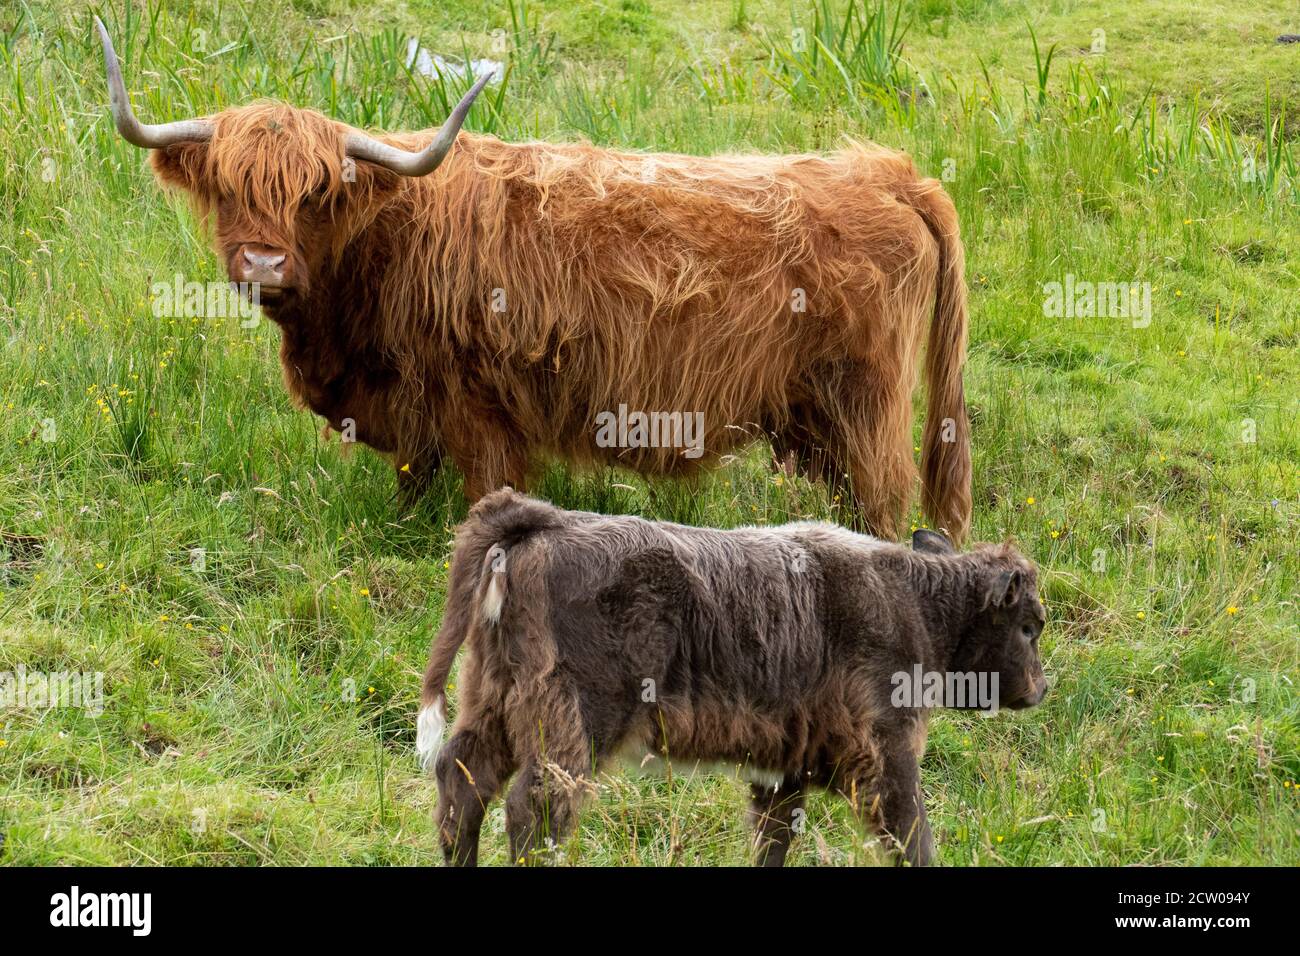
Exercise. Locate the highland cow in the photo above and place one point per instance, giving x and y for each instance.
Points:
(488, 302)
(788, 651)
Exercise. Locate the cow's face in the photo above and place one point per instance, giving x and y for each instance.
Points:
(1002, 623)
(287, 187)
(279, 192)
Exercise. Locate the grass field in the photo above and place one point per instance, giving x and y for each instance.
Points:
(260, 605)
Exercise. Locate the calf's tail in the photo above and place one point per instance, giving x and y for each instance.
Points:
(475, 596)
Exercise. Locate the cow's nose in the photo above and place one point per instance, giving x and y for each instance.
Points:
(263, 260)
(264, 267)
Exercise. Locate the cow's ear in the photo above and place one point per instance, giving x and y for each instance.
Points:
(183, 166)
(1004, 589)
(931, 542)
(370, 179)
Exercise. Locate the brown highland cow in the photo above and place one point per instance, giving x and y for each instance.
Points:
(789, 651)
(488, 302)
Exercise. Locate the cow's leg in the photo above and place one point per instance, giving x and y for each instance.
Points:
(800, 445)
(471, 769)
(872, 405)
(415, 472)
(869, 446)
(489, 455)
(776, 813)
(884, 788)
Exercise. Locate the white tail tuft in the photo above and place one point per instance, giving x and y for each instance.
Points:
(494, 598)
(428, 734)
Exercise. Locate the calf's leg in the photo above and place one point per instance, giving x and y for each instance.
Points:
(542, 807)
(471, 769)
(904, 807)
(885, 790)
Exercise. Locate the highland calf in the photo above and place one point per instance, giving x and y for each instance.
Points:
(790, 651)
(451, 295)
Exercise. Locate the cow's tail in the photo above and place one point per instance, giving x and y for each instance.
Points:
(945, 445)
(475, 596)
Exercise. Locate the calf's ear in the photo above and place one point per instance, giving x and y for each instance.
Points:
(1004, 589)
(931, 541)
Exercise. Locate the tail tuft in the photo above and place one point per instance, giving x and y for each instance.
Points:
(428, 736)
(495, 597)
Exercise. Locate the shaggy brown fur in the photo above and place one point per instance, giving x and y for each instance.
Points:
(771, 648)
(663, 282)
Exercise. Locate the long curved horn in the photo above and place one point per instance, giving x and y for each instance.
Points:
(132, 130)
(361, 146)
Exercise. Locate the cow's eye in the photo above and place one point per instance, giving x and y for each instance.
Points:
(1028, 632)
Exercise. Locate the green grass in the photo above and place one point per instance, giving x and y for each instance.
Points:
(1114, 455)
